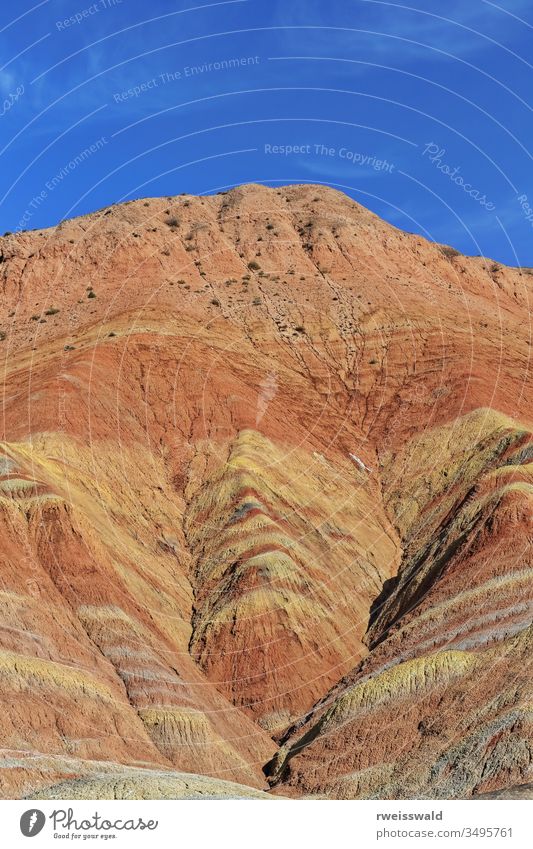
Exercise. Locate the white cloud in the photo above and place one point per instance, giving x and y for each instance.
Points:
(7, 83)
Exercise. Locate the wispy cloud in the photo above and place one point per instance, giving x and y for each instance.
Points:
(399, 31)
(7, 82)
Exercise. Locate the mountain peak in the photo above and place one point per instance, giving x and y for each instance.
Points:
(263, 455)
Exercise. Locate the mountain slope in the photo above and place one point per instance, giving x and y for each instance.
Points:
(262, 457)
(449, 665)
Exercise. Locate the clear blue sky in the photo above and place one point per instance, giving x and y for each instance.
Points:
(421, 112)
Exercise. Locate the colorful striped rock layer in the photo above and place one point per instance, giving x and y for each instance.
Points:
(266, 488)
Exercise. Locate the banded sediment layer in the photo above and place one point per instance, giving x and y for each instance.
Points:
(265, 496)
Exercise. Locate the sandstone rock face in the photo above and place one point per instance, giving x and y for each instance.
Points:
(265, 495)
(440, 707)
(113, 781)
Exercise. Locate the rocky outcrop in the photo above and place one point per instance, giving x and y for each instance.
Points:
(279, 544)
(264, 479)
(114, 781)
(440, 707)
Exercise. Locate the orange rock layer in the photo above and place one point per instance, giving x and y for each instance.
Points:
(265, 495)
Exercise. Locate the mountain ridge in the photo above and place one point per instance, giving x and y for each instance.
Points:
(237, 430)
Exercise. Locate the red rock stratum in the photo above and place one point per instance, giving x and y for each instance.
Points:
(265, 499)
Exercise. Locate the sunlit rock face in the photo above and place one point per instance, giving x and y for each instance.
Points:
(265, 502)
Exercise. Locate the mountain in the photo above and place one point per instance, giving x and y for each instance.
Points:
(265, 495)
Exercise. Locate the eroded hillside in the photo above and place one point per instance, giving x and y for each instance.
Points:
(265, 477)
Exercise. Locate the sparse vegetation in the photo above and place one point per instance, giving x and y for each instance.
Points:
(256, 301)
(253, 265)
(198, 226)
(91, 294)
(173, 223)
(448, 251)
(51, 311)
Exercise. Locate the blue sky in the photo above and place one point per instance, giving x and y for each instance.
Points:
(420, 112)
